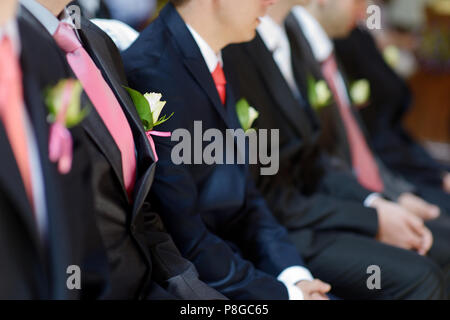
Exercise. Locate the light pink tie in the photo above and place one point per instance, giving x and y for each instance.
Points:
(102, 98)
(364, 163)
(12, 111)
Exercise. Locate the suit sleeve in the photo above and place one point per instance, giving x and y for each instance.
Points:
(263, 238)
(174, 273)
(175, 195)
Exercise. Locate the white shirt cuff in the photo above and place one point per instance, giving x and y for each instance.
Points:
(370, 199)
(292, 275)
(294, 292)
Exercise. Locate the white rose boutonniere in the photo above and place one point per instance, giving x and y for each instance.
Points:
(149, 107)
(319, 94)
(360, 93)
(246, 114)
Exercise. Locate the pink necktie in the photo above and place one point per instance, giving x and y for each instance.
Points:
(12, 111)
(220, 82)
(364, 163)
(102, 98)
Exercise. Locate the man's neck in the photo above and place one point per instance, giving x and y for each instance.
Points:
(279, 11)
(203, 23)
(54, 6)
(7, 11)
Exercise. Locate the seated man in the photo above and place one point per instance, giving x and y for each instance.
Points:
(48, 233)
(389, 101)
(310, 29)
(335, 231)
(214, 213)
(144, 262)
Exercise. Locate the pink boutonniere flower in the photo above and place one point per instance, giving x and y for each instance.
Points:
(64, 106)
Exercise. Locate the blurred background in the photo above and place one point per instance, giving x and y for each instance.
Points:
(415, 39)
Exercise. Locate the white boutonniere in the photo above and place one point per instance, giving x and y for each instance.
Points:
(246, 114)
(360, 93)
(63, 103)
(319, 94)
(149, 107)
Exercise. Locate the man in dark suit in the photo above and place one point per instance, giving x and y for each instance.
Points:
(335, 136)
(145, 264)
(48, 232)
(301, 195)
(389, 101)
(339, 135)
(214, 212)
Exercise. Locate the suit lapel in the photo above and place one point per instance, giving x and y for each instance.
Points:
(303, 51)
(12, 184)
(99, 133)
(145, 157)
(56, 246)
(278, 86)
(193, 59)
(36, 110)
(301, 47)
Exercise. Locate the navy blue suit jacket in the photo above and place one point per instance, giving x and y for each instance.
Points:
(214, 213)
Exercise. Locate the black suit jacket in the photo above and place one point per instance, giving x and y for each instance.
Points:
(131, 231)
(302, 193)
(390, 100)
(29, 268)
(142, 254)
(334, 136)
(214, 213)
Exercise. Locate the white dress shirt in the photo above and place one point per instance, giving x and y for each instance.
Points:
(44, 16)
(276, 40)
(211, 58)
(322, 48)
(292, 275)
(37, 179)
(120, 33)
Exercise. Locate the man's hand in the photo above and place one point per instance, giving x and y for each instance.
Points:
(314, 290)
(419, 207)
(446, 182)
(427, 242)
(398, 227)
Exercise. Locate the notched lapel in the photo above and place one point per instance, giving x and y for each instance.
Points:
(98, 132)
(277, 85)
(12, 183)
(192, 58)
(199, 71)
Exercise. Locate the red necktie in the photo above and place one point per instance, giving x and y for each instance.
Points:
(364, 163)
(221, 83)
(12, 111)
(102, 98)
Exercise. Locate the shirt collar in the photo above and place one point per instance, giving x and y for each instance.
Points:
(44, 16)
(271, 33)
(211, 59)
(319, 41)
(11, 30)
